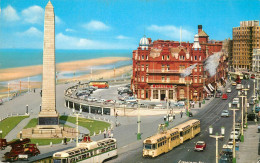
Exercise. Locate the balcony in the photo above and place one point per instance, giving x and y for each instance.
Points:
(151, 81)
(154, 71)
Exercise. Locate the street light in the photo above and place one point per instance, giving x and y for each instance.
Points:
(77, 128)
(216, 137)
(1, 132)
(139, 122)
(234, 121)
(245, 105)
(188, 98)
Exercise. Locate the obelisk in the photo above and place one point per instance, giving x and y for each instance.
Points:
(48, 114)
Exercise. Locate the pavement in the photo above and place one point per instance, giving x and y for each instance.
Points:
(248, 150)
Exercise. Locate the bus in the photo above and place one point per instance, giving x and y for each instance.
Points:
(167, 140)
(88, 152)
(99, 84)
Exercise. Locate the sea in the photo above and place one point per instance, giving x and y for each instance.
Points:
(12, 58)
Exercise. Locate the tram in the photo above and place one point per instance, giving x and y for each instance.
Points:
(165, 141)
(88, 152)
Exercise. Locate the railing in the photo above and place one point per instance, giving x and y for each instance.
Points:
(169, 81)
(164, 71)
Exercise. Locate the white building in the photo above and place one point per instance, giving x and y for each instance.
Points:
(256, 60)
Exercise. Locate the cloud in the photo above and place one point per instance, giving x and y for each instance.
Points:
(10, 14)
(171, 32)
(31, 32)
(70, 42)
(69, 30)
(33, 15)
(95, 25)
(58, 20)
(122, 37)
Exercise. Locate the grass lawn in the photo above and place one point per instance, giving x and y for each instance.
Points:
(9, 123)
(91, 125)
(46, 141)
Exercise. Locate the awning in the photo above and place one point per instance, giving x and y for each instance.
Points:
(206, 89)
(210, 87)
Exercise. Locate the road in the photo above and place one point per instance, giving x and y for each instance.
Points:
(210, 115)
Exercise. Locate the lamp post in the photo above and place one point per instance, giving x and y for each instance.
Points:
(77, 128)
(188, 98)
(245, 92)
(216, 137)
(139, 122)
(234, 121)
(242, 116)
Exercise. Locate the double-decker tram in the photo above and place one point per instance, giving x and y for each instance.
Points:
(88, 152)
(166, 140)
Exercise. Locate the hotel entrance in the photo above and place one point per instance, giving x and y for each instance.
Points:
(163, 94)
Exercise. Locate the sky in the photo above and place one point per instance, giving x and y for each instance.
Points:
(119, 24)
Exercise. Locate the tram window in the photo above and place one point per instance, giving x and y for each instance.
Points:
(181, 133)
(148, 146)
(154, 146)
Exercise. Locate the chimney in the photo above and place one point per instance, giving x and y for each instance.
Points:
(199, 28)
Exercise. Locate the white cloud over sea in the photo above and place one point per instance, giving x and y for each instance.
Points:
(95, 25)
(10, 14)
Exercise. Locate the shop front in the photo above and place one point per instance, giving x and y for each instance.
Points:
(160, 92)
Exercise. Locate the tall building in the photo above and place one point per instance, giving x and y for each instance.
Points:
(159, 68)
(245, 39)
(256, 60)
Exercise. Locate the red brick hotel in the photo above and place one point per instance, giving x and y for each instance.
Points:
(158, 68)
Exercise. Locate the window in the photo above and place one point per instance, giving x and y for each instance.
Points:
(163, 57)
(170, 94)
(168, 67)
(200, 68)
(155, 94)
(195, 69)
(142, 79)
(195, 58)
(168, 79)
(181, 93)
(168, 57)
(163, 78)
(146, 78)
(162, 67)
(142, 68)
(195, 80)
(147, 57)
(142, 57)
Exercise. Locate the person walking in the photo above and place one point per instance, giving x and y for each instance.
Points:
(105, 134)
(111, 135)
(181, 114)
(65, 141)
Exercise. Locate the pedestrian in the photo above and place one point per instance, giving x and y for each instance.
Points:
(108, 134)
(169, 103)
(65, 140)
(116, 114)
(34, 90)
(105, 134)
(181, 114)
(111, 135)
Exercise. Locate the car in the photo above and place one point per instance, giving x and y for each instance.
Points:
(181, 103)
(237, 135)
(218, 95)
(159, 106)
(1, 102)
(225, 113)
(234, 83)
(101, 101)
(229, 145)
(235, 101)
(252, 102)
(239, 86)
(252, 76)
(252, 117)
(130, 99)
(91, 99)
(225, 158)
(229, 90)
(224, 96)
(200, 146)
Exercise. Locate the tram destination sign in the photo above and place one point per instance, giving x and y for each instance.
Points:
(162, 86)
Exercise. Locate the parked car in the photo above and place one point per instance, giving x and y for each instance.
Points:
(91, 99)
(256, 109)
(252, 76)
(234, 83)
(101, 100)
(1, 102)
(225, 158)
(235, 101)
(225, 113)
(237, 135)
(252, 117)
(224, 96)
(218, 95)
(229, 90)
(239, 86)
(131, 99)
(159, 106)
(200, 146)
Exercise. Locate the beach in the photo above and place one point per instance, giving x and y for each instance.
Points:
(23, 72)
